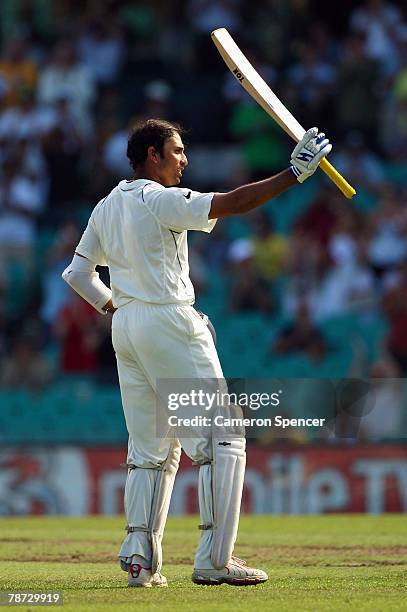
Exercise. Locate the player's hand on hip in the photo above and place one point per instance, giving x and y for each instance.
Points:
(308, 153)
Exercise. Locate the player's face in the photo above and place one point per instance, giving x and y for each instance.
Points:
(173, 162)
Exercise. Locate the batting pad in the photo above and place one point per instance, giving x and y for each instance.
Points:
(220, 494)
(161, 503)
(147, 500)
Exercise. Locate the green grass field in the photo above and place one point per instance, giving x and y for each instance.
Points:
(336, 562)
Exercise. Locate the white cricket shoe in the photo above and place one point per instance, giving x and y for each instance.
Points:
(236, 573)
(139, 576)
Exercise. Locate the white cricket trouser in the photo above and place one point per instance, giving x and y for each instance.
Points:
(158, 342)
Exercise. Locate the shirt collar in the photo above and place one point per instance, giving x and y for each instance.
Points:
(133, 184)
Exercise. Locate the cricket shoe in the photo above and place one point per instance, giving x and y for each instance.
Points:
(139, 576)
(236, 573)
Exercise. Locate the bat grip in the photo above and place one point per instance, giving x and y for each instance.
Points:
(347, 190)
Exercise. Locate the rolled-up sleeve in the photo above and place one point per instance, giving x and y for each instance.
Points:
(180, 209)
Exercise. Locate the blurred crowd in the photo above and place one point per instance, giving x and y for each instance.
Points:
(72, 82)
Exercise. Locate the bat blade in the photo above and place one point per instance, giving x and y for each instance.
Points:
(256, 86)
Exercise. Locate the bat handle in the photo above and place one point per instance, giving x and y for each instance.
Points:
(337, 178)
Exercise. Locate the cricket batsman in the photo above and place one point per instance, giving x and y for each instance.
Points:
(139, 230)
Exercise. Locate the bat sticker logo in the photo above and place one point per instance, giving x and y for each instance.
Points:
(238, 75)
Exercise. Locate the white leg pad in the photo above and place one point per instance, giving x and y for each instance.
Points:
(140, 486)
(204, 552)
(227, 486)
(161, 503)
(147, 501)
(220, 494)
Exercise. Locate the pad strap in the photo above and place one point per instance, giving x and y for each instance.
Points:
(133, 529)
(132, 466)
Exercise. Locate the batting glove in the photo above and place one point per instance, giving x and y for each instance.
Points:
(308, 153)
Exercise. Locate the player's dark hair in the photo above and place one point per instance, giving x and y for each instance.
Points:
(149, 133)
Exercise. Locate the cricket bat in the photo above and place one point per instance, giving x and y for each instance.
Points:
(253, 83)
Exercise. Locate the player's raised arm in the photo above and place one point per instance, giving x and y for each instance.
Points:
(305, 158)
(256, 87)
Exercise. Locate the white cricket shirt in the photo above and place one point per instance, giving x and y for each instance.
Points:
(140, 231)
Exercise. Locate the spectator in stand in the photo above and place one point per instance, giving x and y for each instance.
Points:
(301, 334)
(158, 97)
(305, 263)
(108, 116)
(384, 420)
(321, 216)
(395, 310)
(387, 242)
(347, 247)
(249, 293)
(17, 72)
(26, 119)
(362, 168)
(65, 78)
(4, 325)
(262, 142)
(75, 330)
(21, 129)
(393, 117)
(313, 79)
(347, 284)
(330, 275)
(216, 254)
(270, 248)
(207, 15)
(101, 49)
(157, 103)
(25, 367)
(343, 242)
(56, 294)
(273, 24)
(399, 85)
(99, 177)
(382, 23)
(114, 153)
(357, 107)
(20, 203)
(324, 41)
(63, 149)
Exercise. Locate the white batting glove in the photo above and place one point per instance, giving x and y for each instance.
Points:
(308, 153)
